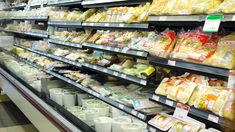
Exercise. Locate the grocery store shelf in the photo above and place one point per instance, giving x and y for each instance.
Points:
(45, 118)
(64, 3)
(42, 18)
(38, 35)
(186, 20)
(124, 51)
(83, 126)
(115, 104)
(115, 26)
(37, 5)
(207, 117)
(69, 44)
(107, 3)
(72, 24)
(17, 7)
(191, 67)
(58, 58)
(116, 74)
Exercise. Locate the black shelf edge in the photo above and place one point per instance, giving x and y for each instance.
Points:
(65, 3)
(107, 3)
(38, 35)
(58, 58)
(191, 67)
(109, 101)
(69, 44)
(15, 7)
(76, 121)
(69, 24)
(115, 26)
(207, 117)
(116, 74)
(37, 5)
(124, 51)
(43, 18)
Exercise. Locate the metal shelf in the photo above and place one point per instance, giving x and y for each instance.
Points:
(68, 24)
(191, 67)
(206, 116)
(43, 18)
(38, 35)
(65, 3)
(115, 26)
(116, 74)
(107, 3)
(22, 6)
(76, 121)
(124, 51)
(69, 44)
(58, 58)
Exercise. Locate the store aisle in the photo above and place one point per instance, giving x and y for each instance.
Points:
(12, 119)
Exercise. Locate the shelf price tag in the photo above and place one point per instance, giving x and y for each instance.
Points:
(213, 118)
(172, 63)
(141, 116)
(156, 98)
(134, 112)
(212, 23)
(143, 82)
(181, 111)
(231, 79)
(121, 106)
(170, 103)
(106, 24)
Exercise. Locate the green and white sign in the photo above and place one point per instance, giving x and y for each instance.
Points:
(212, 23)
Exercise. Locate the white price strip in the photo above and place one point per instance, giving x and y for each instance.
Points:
(181, 111)
(213, 118)
(95, 67)
(124, 50)
(109, 48)
(133, 112)
(156, 98)
(121, 25)
(115, 73)
(212, 23)
(121, 106)
(105, 70)
(89, 91)
(69, 81)
(231, 79)
(170, 103)
(163, 18)
(140, 53)
(106, 24)
(233, 19)
(123, 76)
(172, 63)
(143, 82)
(141, 116)
(116, 49)
(84, 24)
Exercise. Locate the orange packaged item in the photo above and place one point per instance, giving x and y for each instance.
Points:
(162, 121)
(163, 44)
(213, 99)
(167, 84)
(195, 46)
(229, 107)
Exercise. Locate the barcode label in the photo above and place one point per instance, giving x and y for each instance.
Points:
(121, 106)
(156, 98)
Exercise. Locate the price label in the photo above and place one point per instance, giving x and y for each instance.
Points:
(69, 81)
(91, 24)
(100, 46)
(125, 50)
(121, 106)
(213, 118)
(156, 98)
(96, 94)
(231, 79)
(212, 23)
(84, 24)
(109, 48)
(95, 67)
(233, 19)
(123, 76)
(172, 63)
(163, 18)
(105, 70)
(181, 111)
(89, 91)
(140, 53)
(116, 49)
(143, 82)
(134, 112)
(121, 25)
(170, 103)
(141, 116)
(106, 24)
(115, 73)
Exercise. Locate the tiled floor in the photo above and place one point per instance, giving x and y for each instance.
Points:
(12, 119)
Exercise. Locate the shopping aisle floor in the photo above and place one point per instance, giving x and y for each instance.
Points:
(12, 119)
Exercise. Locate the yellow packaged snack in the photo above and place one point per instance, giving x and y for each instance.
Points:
(212, 99)
(182, 92)
(229, 107)
(157, 7)
(196, 93)
(144, 13)
(87, 14)
(224, 55)
(228, 6)
(204, 6)
(178, 7)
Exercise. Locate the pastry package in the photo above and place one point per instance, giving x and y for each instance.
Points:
(229, 107)
(224, 55)
(163, 121)
(213, 99)
(163, 44)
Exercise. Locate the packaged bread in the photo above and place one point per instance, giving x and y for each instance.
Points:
(87, 14)
(213, 99)
(162, 121)
(182, 92)
(167, 84)
(229, 107)
(224, 55)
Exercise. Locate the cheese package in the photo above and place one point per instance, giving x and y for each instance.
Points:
(182, 92)
(167, 84)
(229, 107)
(163, 121)
(224, 55)
(213, 99)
